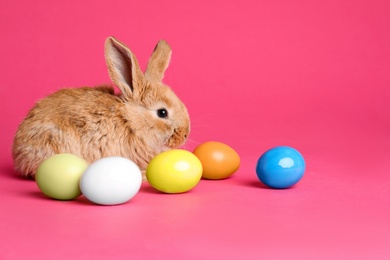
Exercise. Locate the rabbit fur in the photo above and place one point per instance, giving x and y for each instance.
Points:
(145, 119)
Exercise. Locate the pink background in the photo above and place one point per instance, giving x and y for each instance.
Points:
(254, 74)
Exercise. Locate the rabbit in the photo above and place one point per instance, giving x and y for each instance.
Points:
(143, 120)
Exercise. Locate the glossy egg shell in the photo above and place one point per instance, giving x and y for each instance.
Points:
(280, 167)
(174, 171)
(111, 181)
(218, 159)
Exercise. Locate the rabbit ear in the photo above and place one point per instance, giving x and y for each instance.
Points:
(158, 62)
(123, 67)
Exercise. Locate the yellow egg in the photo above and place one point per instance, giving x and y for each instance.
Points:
(174, 171)
(218, 159)
(58, 176)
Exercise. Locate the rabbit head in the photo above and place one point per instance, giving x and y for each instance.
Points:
(156, 114)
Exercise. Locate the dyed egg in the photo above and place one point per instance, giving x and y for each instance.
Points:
(174, 171)
(58, 176)
(218, 159)
(111, 181)
(280, 167)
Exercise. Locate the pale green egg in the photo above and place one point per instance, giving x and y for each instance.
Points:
(58, 176)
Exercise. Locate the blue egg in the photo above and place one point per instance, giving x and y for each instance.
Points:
(280, 167)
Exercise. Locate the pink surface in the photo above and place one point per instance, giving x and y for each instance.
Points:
(254, 74)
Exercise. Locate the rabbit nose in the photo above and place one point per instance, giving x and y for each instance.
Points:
(182, 132)
(178, 137)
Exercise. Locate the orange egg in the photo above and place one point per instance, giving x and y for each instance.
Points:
(219, 160)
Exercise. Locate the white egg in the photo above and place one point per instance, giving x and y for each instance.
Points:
(111, 181)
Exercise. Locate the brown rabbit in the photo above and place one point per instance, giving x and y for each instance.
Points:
(146, 119)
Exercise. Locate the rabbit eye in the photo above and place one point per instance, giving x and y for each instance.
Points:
(162, 113)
